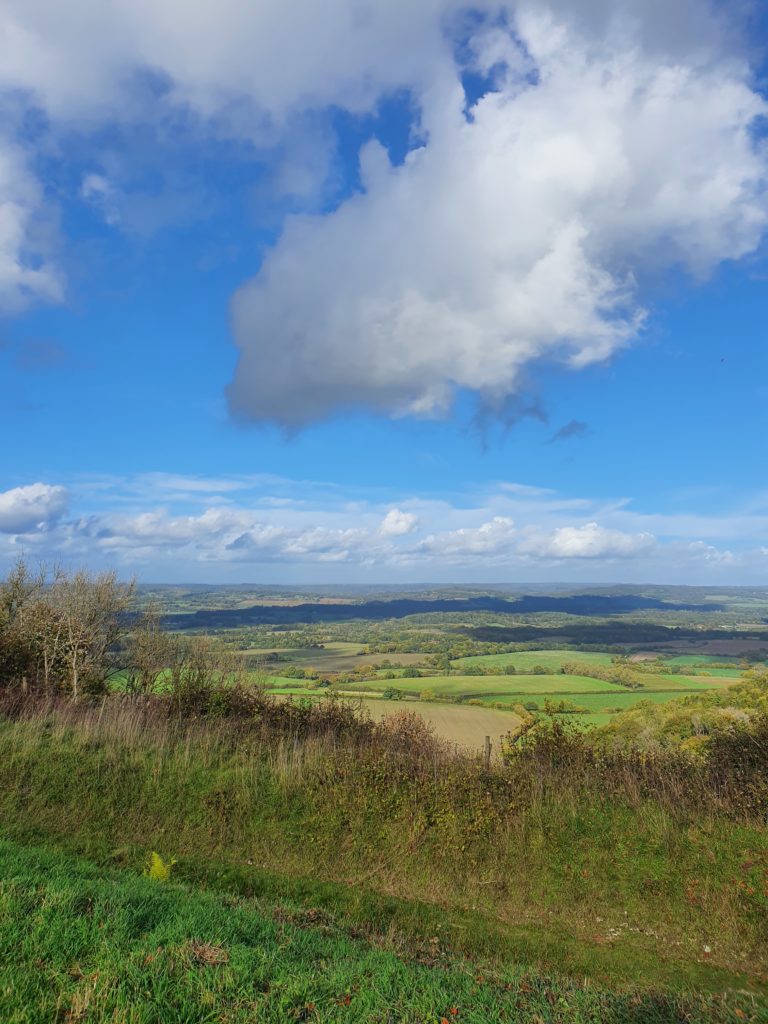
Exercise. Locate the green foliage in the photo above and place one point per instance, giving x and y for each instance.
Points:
(690, 722)
(411, 672)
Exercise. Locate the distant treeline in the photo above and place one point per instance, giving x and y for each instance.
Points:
(606, 634)
(579, 604)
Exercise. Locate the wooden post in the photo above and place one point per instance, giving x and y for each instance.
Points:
(487, 753)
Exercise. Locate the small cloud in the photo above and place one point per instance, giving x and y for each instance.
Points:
(709, 553)
(573, 428)
(587, 541)
(526, 490)
(396, 523)
(31, 508)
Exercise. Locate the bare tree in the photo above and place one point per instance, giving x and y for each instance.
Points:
(150, 653)
(18, 594)
(92, 610)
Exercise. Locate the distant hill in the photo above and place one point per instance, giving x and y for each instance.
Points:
(578, 604)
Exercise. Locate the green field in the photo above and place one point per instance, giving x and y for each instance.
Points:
(466, 726)
(333, 656)
(481, 686)
(525, 660)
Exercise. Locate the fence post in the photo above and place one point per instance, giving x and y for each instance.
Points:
(487, 753)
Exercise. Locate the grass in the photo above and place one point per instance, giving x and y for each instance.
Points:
(523, 660)
(479, 686)
(467, 726)
(82, 944)
(619, 888)
(334, 656)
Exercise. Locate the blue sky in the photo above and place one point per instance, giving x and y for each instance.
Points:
(377, 295)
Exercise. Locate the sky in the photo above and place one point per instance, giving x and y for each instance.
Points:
(363, 292)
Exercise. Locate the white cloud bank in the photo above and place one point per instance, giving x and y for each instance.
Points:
(617, 142)
(147, 524)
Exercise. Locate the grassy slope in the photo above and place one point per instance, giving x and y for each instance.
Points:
(79, 944)
(600, 888)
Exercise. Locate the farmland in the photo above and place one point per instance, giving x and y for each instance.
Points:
(537, 680)
(318, 791)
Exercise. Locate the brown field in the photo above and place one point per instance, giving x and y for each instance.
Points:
(465, 726)
(334, 657)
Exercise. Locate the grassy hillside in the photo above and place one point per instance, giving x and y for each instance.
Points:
(82, 944)
(601, 868)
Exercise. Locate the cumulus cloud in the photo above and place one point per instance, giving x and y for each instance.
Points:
(218, 54)
(493, 539)
(519, 234)
(588, 541)
(616, 139)
(709, 553)
(396, 523)
(34, 507)
(511, 532)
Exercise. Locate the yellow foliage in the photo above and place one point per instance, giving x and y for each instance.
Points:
(157, 869)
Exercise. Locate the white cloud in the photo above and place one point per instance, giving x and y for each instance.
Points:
(26, 273)
(80, 60)
(397, 523)
(588, 541)
(522, 234)
(34, 507)
(709, 553)
(503, 535)
(101, 194)
(618, 141)
(490, 540)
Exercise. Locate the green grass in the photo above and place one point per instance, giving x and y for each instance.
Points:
(619, 701)
(479, 686)
(702, 659)
(686, 684)
(82, 944)
(523, 660)
(627, 892)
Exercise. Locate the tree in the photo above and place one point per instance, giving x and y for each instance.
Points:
(18, 594)
(149, 652)
(92, 610)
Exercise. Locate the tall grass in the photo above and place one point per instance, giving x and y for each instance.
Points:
(661, 855)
